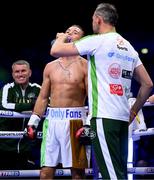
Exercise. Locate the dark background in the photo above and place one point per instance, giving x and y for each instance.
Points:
(27, 28)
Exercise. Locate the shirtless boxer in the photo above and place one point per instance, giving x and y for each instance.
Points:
(65, 83)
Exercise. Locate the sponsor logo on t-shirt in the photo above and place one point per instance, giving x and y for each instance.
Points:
(114, 70)
(116, 89)
(121, 44)
(122, 48)
(31, 95)
(120, 56)
(126, 74)
(59, 113)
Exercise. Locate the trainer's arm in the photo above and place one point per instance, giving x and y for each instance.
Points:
(60, 48)
(146, 85)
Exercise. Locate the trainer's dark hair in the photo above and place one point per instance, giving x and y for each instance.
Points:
(108, 12)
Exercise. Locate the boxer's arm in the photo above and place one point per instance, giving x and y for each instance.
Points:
(40, 105)
(43, 98)
(39, 109)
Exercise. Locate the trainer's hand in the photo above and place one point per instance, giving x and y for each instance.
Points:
(62, 37)
(83, 134)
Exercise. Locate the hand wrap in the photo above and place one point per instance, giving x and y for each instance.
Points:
(31, 129)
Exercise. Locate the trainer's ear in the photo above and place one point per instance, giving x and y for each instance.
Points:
(30, 72)
(98, 19)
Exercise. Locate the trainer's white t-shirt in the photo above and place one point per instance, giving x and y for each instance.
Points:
(111, 62)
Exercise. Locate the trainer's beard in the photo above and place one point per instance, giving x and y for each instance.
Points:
(53, 41)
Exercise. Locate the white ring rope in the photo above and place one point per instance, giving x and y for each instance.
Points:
(148, 104)
(148, 132)
(16, 134)
(13, 114)
(27, 114)
(19, 134)
(66, 172)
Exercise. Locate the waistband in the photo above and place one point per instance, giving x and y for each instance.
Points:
(68, 113)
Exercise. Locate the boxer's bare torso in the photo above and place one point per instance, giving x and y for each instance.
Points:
(65, 82)
(67, 79)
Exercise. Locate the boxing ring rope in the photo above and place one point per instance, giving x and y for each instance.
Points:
(61, 172)
(16, 134)
(19, 134)
(66, 172)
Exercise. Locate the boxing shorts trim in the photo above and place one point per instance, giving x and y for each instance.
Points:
(69, 113)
